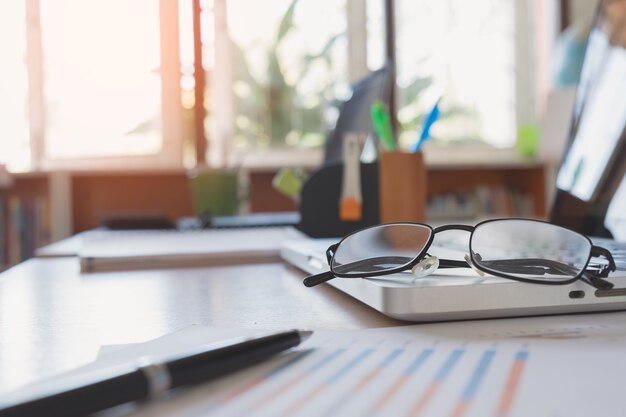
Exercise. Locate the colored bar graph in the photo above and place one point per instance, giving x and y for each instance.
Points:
(296, 379)
(370, 376)
(254, 382)
(367, 379)
(434, 386)
(347, 380)
(334, 378)
(402, 379)
(512, 384)
(473, 384)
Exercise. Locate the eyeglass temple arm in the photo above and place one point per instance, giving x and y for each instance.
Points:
(317, 279)
(596, 279)
(554, 267)
(604, 270)
(596, 282)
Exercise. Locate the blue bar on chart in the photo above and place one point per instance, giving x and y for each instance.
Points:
(365, 381)
(402, 379)
(333, 378)
(434, 386)
(473, 384)
(512, 384)
(298, 378)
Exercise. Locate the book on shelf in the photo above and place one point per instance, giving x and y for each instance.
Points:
(481, 202)
(24, 227)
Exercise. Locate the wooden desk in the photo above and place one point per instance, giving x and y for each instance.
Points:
(53, 319)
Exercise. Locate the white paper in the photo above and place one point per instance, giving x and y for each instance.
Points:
(113, 358)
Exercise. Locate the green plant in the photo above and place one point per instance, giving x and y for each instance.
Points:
(273, 111)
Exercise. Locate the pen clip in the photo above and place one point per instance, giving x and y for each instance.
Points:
(157, 374)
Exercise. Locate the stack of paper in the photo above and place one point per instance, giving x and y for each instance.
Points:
(107, 251)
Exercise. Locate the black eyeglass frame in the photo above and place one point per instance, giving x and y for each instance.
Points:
(594, 280)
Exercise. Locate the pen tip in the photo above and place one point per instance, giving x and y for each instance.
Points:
(304, 335)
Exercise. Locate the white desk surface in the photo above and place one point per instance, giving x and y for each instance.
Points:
(53, 319)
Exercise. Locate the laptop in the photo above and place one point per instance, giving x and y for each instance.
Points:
(590, 198)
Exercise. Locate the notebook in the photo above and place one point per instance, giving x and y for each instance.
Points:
(147, 249)
(590, 198)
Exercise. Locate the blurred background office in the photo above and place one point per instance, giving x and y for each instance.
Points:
(106, 105)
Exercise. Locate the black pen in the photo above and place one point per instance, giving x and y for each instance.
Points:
(149, 379)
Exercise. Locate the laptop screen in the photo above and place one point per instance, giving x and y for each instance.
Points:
(591, 181)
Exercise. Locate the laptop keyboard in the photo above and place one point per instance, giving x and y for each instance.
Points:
(618, 249)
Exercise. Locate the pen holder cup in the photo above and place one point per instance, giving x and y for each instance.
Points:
(402, 187)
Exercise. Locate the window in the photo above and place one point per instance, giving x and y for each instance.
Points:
(97, 74)
(286, 66)
(102, 78)
(111, 84)
(464, 52)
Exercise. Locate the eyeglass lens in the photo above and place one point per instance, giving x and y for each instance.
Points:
(380, 248)
(529, 250)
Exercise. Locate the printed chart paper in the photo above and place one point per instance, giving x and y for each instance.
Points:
(571, 366)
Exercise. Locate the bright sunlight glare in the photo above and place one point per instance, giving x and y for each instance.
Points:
(14, 139)
(102, 81)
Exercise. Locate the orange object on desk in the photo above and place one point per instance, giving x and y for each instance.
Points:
(402, 187)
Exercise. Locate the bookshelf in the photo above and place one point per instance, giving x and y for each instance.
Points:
(25, 218)
(463, 192)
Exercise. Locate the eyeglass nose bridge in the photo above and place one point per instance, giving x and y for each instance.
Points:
(463, 227)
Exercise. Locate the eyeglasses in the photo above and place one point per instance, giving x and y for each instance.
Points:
(519, 249)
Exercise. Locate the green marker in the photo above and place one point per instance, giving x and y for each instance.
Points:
(382, 125)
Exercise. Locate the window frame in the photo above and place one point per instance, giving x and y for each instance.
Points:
(221, 151)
